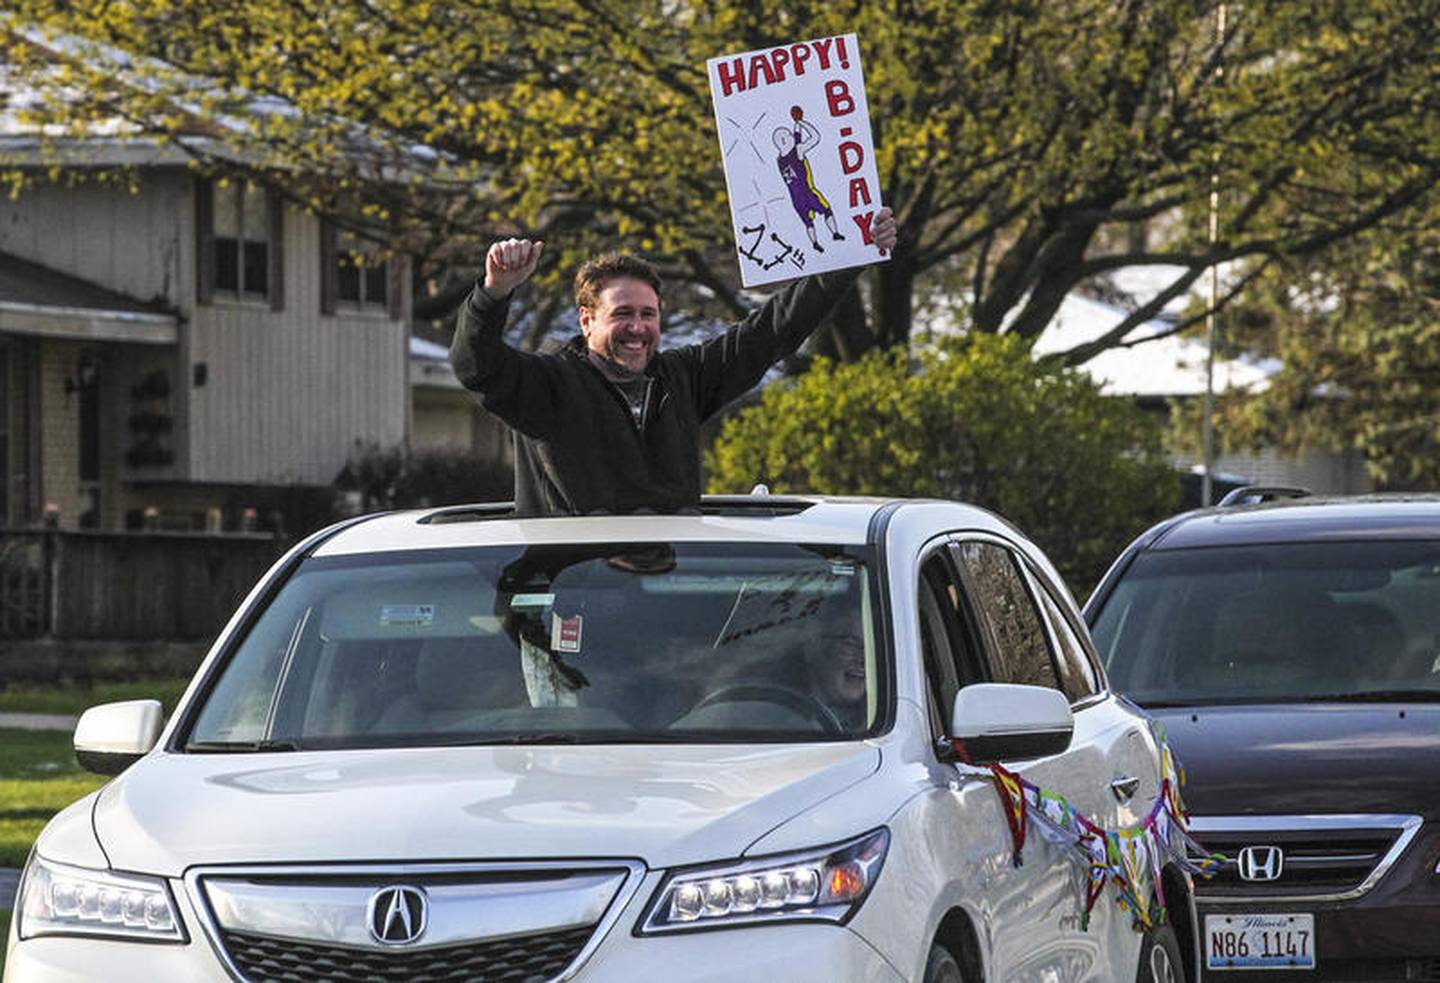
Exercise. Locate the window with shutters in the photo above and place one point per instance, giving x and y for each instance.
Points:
(239, 227)
(357, 273)
(242, 241)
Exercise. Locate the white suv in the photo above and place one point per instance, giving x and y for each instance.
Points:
(454, 745)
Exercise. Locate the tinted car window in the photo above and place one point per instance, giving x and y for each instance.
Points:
(628, 643)
(1275, 622)
(1077, 675)
(1021, 653)
(951, 649)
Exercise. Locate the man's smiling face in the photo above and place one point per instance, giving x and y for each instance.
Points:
(623, 327)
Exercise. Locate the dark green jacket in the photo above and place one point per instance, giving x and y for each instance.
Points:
(578, 449)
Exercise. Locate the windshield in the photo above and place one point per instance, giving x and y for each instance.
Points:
(596, 643)
(1305, 621)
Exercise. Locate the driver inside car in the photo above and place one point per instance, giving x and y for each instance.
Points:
(807, 670)
(836, 668)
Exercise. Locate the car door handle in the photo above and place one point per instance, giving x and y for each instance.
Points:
(1124, 788)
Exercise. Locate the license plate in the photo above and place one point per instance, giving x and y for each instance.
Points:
(1259, 941)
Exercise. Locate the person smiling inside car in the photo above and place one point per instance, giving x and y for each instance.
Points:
(838, 677)
(609, 423)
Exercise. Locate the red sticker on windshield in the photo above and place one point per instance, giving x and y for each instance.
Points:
(565, 634)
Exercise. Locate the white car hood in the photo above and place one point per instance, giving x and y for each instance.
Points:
(665, 804)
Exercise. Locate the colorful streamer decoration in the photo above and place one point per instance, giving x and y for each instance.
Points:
(1129, 859)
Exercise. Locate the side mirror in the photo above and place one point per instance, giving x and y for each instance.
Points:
(1007, 721)
(113, 736)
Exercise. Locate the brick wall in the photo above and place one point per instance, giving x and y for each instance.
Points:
(60, 431)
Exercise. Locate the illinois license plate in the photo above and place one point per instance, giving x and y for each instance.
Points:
(1259, 941)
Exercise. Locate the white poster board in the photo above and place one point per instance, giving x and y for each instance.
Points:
(799, 159)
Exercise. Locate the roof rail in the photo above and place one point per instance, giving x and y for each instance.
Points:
(468, 513)
(1255, 494)
(733, 505)
(753, 504)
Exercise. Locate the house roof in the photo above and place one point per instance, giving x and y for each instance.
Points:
(428, 351)
(36, 300)
(1173, 365)
(23, 283)
(206, 133)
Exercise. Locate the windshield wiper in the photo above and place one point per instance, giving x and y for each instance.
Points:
(511, 739)
(223, 747)
(595, 737)
(1377, 696)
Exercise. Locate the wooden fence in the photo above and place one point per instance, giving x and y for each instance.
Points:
(135, 586)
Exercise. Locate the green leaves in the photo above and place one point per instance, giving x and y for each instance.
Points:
(973, 419)
(1029, 149)
(1360, 347)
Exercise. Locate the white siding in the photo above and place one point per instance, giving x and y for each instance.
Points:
(289, 392)
(1322, 472)
(102, 233)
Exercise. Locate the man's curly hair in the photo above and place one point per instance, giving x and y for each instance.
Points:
(594, 275)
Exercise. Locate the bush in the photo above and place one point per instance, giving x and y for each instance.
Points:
(389, 477)
(974, 419)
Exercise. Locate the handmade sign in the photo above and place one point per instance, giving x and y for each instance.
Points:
(799, 161)
(1130, 859)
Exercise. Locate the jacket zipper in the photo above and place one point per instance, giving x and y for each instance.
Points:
(645, 405)
(624, 402)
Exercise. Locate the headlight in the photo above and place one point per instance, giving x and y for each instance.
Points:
(60, 900)
(828, 884)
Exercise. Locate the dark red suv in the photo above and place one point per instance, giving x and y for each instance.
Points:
(1292, 651)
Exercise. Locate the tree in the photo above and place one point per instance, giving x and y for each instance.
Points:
(1020, 143)
(974, 419)
(1358, 338)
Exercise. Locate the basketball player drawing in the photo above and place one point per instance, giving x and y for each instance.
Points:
(794, 144)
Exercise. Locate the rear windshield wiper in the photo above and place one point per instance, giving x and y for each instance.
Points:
(224, 747)
(1377, 696)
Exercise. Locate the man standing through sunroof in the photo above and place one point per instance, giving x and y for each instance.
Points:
(609, 423)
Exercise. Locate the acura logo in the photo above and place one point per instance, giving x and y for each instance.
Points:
(397, 914)
(1260, 863)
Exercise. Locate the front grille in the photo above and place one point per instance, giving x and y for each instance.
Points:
(1330, 862)
(524, 959)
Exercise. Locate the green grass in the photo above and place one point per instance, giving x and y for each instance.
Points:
(38, 778)
(75, 700)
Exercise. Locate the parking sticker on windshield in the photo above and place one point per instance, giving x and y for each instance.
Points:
(565, 634)
(407, 616)
(532, 600)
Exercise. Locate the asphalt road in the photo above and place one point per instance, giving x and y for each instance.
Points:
(37, 721)
(9, 879)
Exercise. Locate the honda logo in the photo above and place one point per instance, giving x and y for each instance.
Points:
(1260, 863)
(397, 914)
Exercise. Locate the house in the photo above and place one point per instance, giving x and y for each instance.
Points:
(181, 352)
(444, 414)
(1161, 370)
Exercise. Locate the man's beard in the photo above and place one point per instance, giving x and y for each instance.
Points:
(626, 362)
